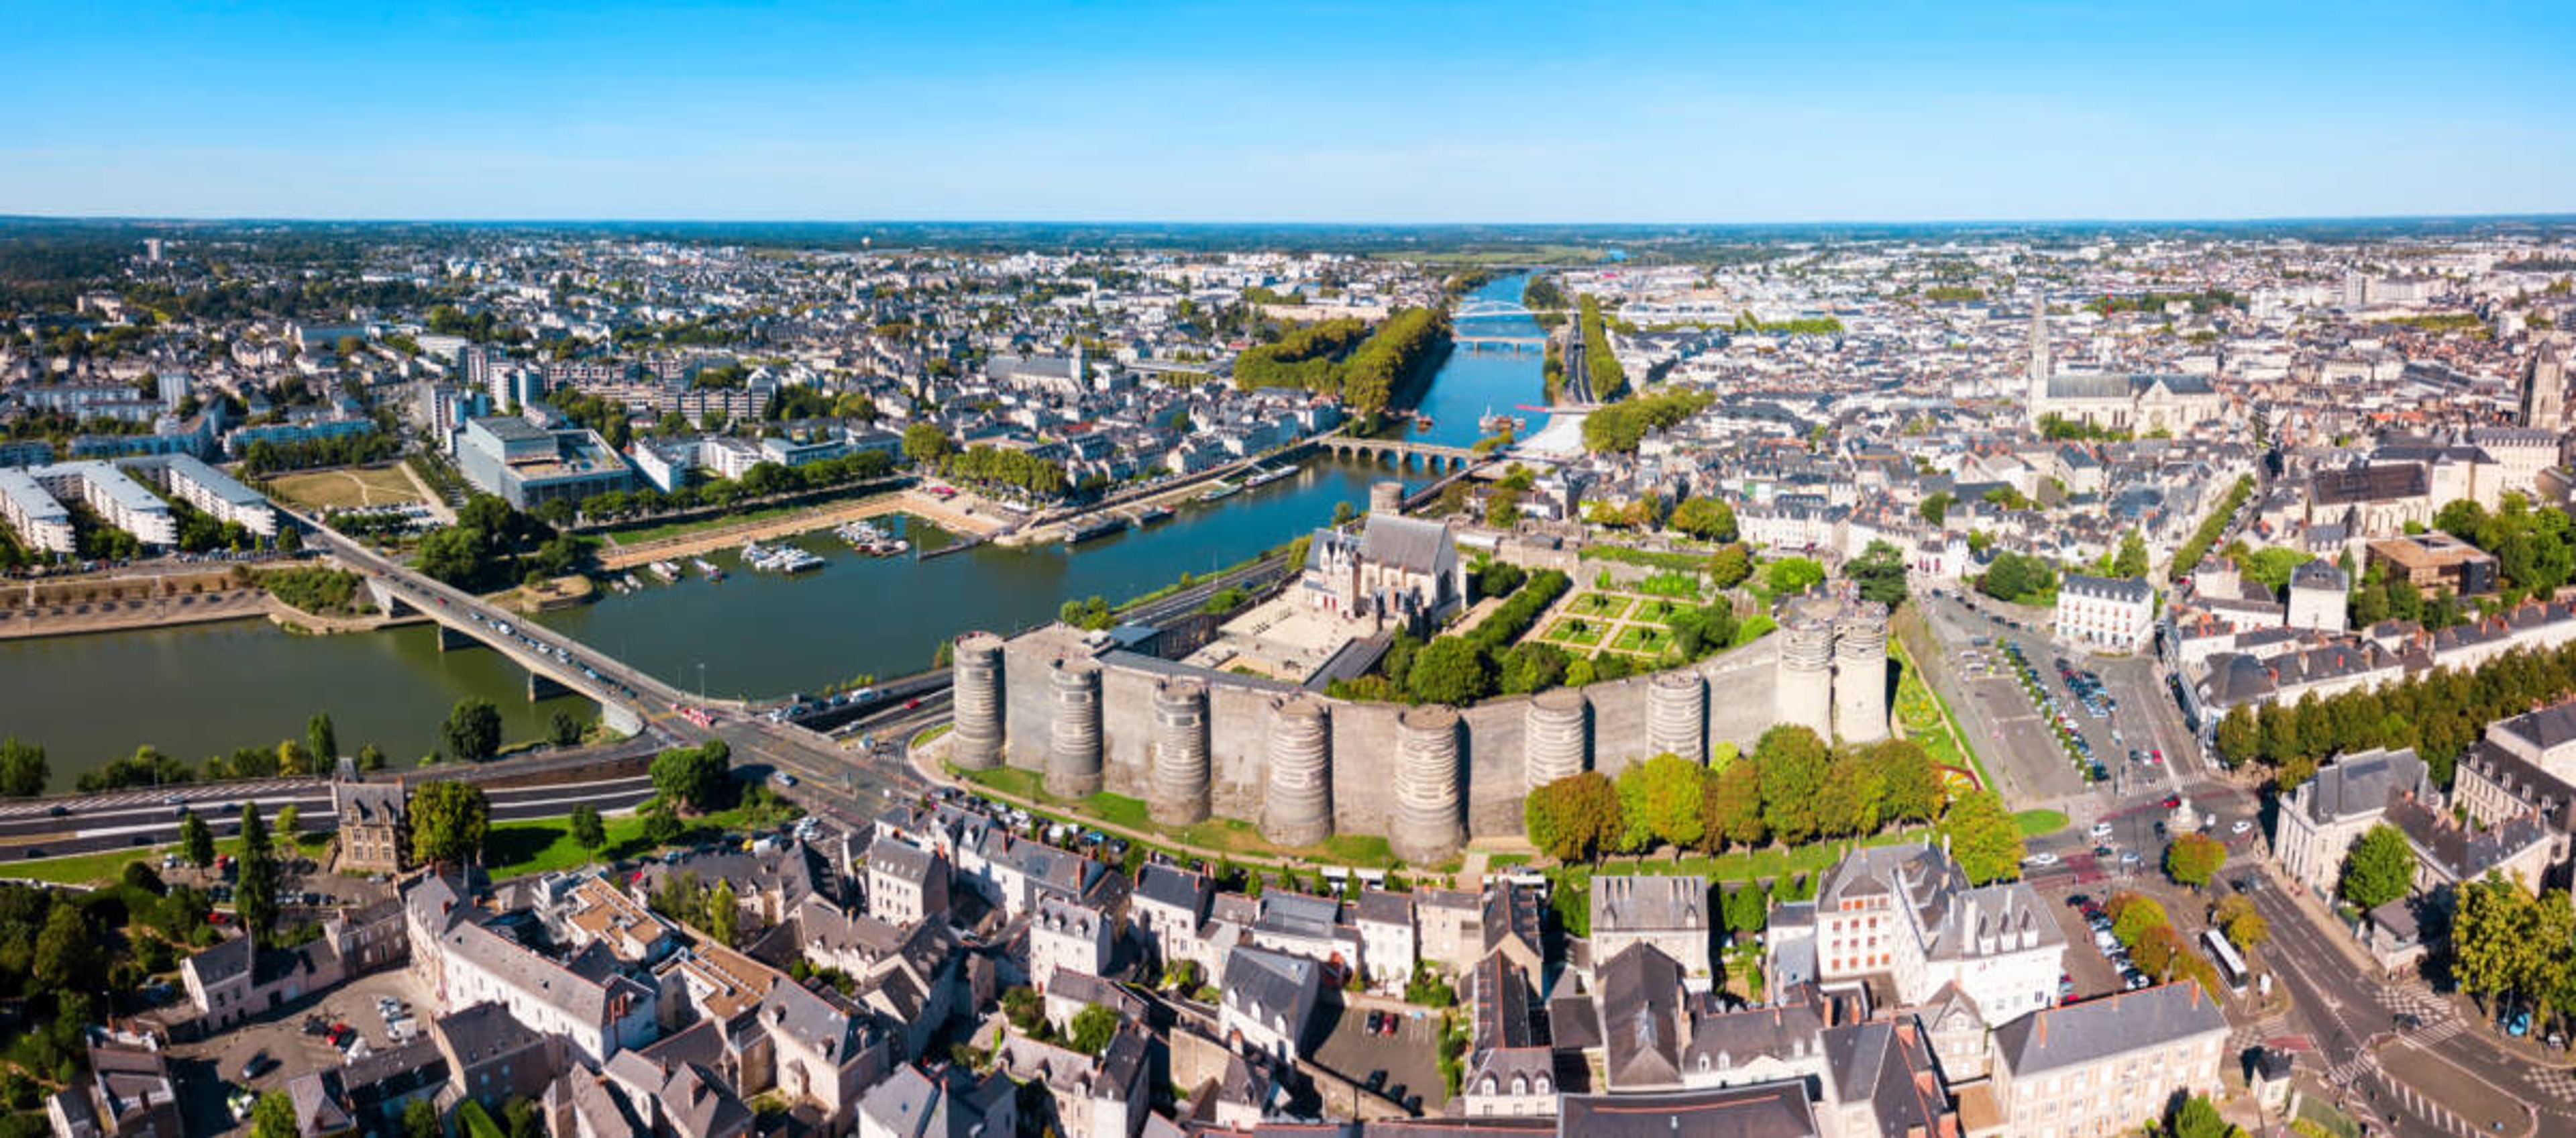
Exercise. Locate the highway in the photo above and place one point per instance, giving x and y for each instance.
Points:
(150, 819)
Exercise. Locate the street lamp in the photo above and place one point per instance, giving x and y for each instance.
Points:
(702, 681)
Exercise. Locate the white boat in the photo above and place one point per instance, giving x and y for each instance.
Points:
(1262, 477)
(665, 570)
(707, 568)
(1219, 492)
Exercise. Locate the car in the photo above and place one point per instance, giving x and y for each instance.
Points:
(2239, 826)
(2105, 851)
(1376, 1078)
(2172, 801)
(2519, 1025)
(2130, 857)
(2040, 860)
(2101, 829)
(912, 704)
(783, 778)
(2407, 1021)
(1396, 1092)
(58, 810)
(258, 1065)
(2079, 900)
(1373, 1017)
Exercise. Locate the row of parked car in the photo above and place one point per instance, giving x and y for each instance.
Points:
(2131, 978)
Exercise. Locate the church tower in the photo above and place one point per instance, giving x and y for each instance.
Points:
(2544, 387)
(2039, 362)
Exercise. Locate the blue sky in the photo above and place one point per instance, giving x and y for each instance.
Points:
(1490, 112)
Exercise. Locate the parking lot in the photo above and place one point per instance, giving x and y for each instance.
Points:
(1410, 1057)
(281, 1041)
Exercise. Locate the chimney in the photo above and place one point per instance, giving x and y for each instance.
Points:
(2039, 1031)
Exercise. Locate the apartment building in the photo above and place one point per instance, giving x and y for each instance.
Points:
(2100, 1067)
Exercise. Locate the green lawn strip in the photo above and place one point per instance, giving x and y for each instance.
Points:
(1911, 686)
(544, 845)
(1215, 837)
(1752, 628)
(107, 865)
(2033, 823)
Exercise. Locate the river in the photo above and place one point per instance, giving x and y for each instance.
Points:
(197, 690)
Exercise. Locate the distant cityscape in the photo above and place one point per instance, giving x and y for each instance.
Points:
(2049, 680)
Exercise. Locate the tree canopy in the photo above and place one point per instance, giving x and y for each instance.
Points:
(449, 820)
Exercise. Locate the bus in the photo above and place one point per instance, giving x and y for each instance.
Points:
(2231, 967)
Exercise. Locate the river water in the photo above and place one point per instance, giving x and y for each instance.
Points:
(197, 690)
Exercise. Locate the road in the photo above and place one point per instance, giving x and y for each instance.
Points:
(1578, 370)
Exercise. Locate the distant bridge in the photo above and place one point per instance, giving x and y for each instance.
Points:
(1405, 453)
(1488, 310)
(1507, 343)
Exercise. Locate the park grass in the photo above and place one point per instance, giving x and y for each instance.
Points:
(641, 534)
(1642, 639)
(545, 845)
(2033, 823)
(1918, 703)
(1753, 628)
(346, 487)
(108, 865)
(1564, 631)
(1599, 604)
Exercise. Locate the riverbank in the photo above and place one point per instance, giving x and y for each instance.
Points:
(1170, 495)
(76, 618)
(956, 517)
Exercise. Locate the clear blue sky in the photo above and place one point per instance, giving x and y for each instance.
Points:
(1484, 112)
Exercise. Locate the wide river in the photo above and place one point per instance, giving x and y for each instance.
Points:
(198, 690)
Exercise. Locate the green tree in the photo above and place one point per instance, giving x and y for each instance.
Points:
(66, 952)
(196, 840)
(564, 730)
(1790, 576)
(1879, 572)
(1573, 817)
(2132, 558)
(273, 1116)
(1092, 1029)
(420, 1120)
(587, 830)
(2133, 915)
(23, 772)
(2492, 934)
(2197, 1117)
(1731, 807)
(1708, 519)
(1982, 836)
(290, 822)
(472, 732)
(697, 777)
(2379, 869)
(724, 913)
(1793, 763)
(1936, 507)
(1913, 788)
(1729, 566)
(1449, 670)
(448, 822)
(2017, 577)
(2192, 859)
(2240, 741)
(255, 882)
(662, 824)
(322, 741)
(1659, 801)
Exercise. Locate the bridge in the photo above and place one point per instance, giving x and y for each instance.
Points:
(1487, 310)
(1405, 452)
(627, 698)
(1530, 343)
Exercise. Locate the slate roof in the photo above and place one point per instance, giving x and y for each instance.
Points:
(1762, 1110)
(2057, 1038)
(2362, 783)
(1411, 544)
(1639, 997)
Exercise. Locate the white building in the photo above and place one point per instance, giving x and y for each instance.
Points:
(1907, 913)
(216, 493)
(118, 500)
(2106, 614)
(1066, 936)
(37, 518)
(2098, 1067)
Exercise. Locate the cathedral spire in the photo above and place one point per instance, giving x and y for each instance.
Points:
(2039, 362)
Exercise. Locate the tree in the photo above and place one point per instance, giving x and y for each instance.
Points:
(1659, 801)
(23, 772)
(1729, 566)
(321, 740)
(1982, 836)
(196, 840)
(1849, 800)
(2492, 934)
(2380, 868)
(724, 913)
(1708, 519)
(1731, 807)
(1913, 788)
(2193, 859)
(661, 822)
(1793, 763)
(564, 730)
(2235, 917)
(2240, 741)
(255, 883)
(67, 957)
(2132, 558)
(697, 777)
(2016, 577)
(448, 822)
(1024, 1008)
(2197, 1117)
(1790, 576)
(290, 820)
(1092, 1029)
(2133, 914)
(420, 1120)
(273, 1116)
(1936, 507)
(472, 732)
(1573, 817)
(1880, 574)
(587, 831)
(1448, 670)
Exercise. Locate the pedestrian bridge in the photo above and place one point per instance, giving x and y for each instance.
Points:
(1480, 309)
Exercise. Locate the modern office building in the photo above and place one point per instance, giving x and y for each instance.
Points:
(528, 465)
(218, 494)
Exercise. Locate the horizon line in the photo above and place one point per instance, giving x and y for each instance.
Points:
(2273, 219)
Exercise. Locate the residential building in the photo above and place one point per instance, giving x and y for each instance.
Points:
(2106, 614)
(2097, 1068)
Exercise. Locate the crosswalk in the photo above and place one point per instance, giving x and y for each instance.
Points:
(2413, 996)
(2400, 1095)
(2558, 1081)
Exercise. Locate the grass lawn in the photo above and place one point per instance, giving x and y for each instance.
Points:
(516, 849)
(1599, 604)
(108, 865)
(1644, 639)
(356, 486)
(1575, 631)
(1927, 719)
(1752, 628)
(1216, 836)
(1658, 610)
(643, 534)
(2033, 823)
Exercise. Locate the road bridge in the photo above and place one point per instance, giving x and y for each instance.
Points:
(1405, 452)
(1473, 340)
